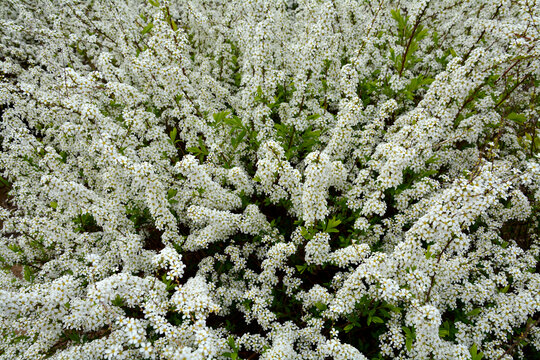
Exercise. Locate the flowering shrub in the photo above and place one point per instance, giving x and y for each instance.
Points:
(305, 179)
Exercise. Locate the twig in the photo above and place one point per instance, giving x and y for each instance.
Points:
(521, 337)
(404, 57)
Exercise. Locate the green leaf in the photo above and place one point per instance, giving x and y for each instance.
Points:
(172, 135)
(473, 350)
(154, 2)
(410, 336)
(348, 328)
(402, 22)
(194, 150)
(301, 268)
(517, 118)
(393, 308)
(408, 343)
(259, 96)
(427, 81)
(319, 305)
(422, 32)
(4, 182)
(220, 116)
(475, 355)
(247, 304)
(75, 337)
(118, 301)
(147, 28)
(200, 151)
(233, 346)
(432, 160)
(474, 312)
(171, 193)
(305, 233)
(63, 158)
(377, 320)
(428, 253)
(331, 225)
(54, 204)
(28, 274)
(203, 146)
(235, 122)
(239, 138)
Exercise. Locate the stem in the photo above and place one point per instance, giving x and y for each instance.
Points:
(533, 146)
(511, 91)
(404, 56)
(292, 137)
(521, 337)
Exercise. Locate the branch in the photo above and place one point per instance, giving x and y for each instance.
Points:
(521, 337)
(404, 57)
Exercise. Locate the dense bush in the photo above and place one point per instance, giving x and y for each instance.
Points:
(306, 179)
